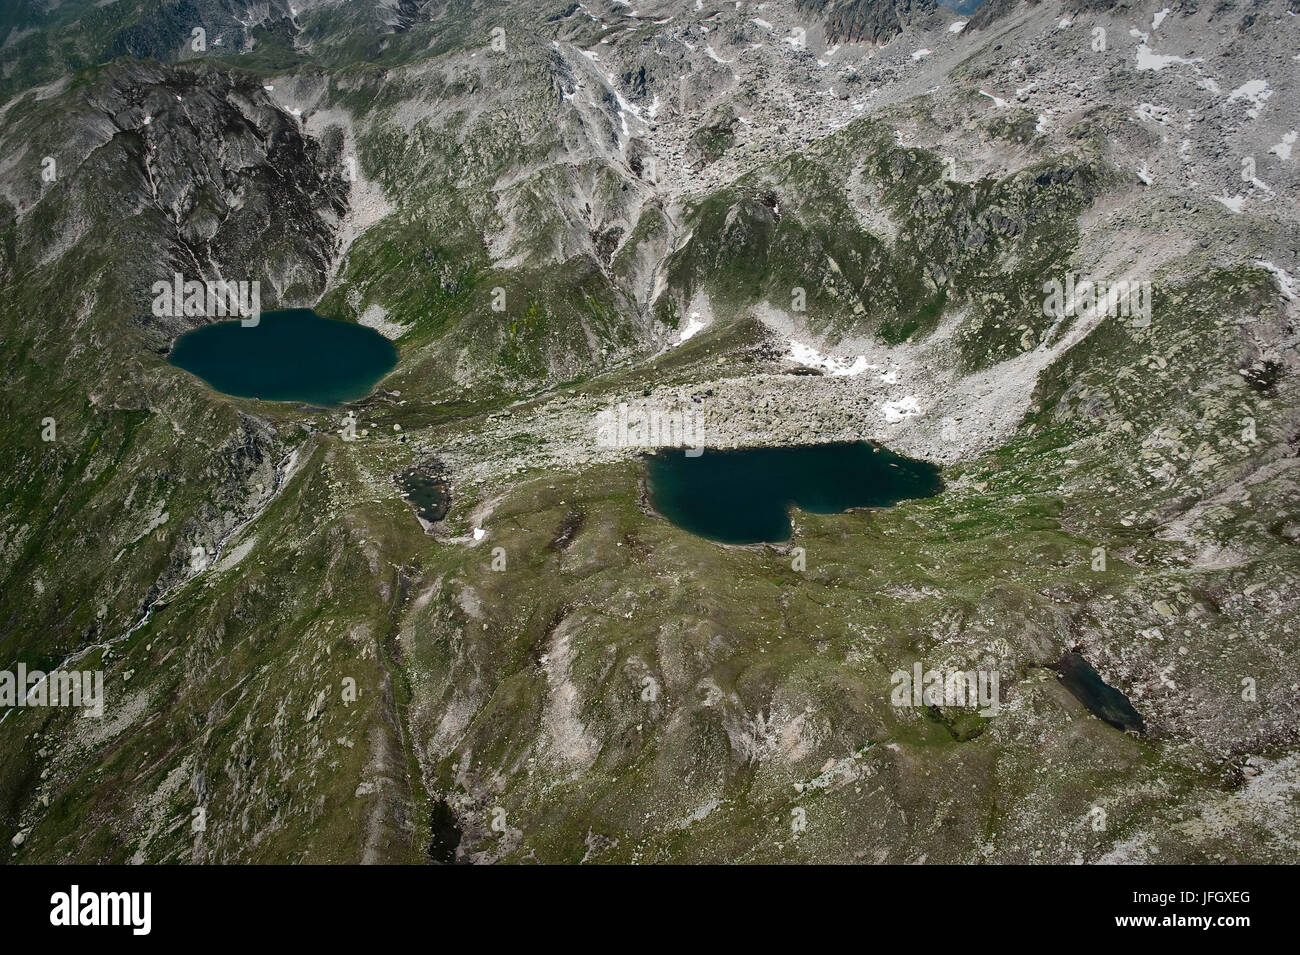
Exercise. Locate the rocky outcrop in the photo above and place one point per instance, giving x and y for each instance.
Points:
(866, 21)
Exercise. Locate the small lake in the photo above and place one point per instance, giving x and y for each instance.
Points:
(291, 355)
(744, 496)
(1102, 700)
(425, 487)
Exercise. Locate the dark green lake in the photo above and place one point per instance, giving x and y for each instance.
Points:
(293, 355)
(744, 496)
(426, 489)
(1101, 699)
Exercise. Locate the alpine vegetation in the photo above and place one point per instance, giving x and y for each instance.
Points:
(1089, 298)
(974, 689)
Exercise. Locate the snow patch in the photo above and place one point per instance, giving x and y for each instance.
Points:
(694, 325)
(1148, 59)
(900, 410)
(809, 357)
(1255, 92)
(1283, 149)
(1289, 287)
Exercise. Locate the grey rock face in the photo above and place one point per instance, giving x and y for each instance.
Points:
(866, 21)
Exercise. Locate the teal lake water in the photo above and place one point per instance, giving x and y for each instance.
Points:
(292, 355)
(744, 496)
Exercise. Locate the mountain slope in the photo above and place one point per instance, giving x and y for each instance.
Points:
(650, 191)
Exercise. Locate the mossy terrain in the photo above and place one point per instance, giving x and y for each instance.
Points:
(804, 224)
